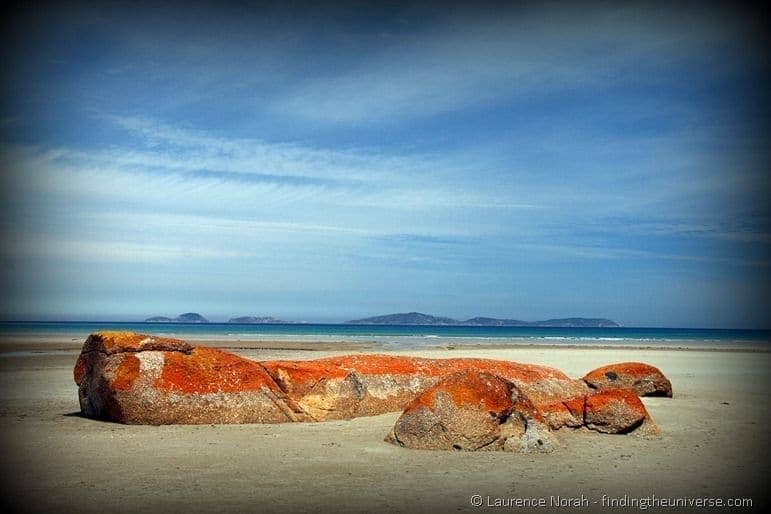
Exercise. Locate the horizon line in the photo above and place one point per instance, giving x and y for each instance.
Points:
(142, 322)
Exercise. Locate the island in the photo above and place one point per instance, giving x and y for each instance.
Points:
(409, 318)
(418, 318)
(258, 320)
(187, 317)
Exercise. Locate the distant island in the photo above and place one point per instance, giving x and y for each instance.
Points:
(258, 320)
(188, 317)
(418, 318)
(408, 318)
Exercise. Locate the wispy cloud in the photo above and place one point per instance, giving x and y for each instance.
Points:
(112, 251)
(190, 164)
(176, 181)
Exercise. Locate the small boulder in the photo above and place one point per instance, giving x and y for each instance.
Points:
(642, 379)
(618, 411)
(471, 411)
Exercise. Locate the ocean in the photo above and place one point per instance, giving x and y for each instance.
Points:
(407, 335)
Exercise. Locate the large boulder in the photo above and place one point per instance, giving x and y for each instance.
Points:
(642, 379)
(140, 379)
(365, 385)
(471, 411)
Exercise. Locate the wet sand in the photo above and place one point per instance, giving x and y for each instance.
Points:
(714, 445)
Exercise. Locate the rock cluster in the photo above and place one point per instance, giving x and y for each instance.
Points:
(479, 411)
(468, 404)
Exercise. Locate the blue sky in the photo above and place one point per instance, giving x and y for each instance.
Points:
(325, 164)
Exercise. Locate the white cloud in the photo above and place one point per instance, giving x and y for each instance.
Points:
(112, 251)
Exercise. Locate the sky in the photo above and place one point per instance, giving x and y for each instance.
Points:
(519, 160)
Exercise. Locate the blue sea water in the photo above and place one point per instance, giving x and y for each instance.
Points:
(408, 334)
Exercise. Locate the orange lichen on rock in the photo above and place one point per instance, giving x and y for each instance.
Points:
(381, 364)
(378, 364)
(577, 407)
(640, 378)
(80, 369)
(208, 370)
(374, 384)
(297, 378)
(514, 371)
(120, 342)
(545, 387)
(399, 365)
(471, 411)
(350, 386)
(470, 389)
(138, 379)
(617, 411)
(126, 373)
(562, 413)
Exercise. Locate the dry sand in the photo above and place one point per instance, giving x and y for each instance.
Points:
(715, 444)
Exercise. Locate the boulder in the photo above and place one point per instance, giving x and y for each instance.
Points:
(642, 379)
(618, 411)
(353, 385)
(366, 385)
(546, 388)
(139, 379)
(471, 411)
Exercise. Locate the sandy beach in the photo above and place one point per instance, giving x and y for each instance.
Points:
(714, 445)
